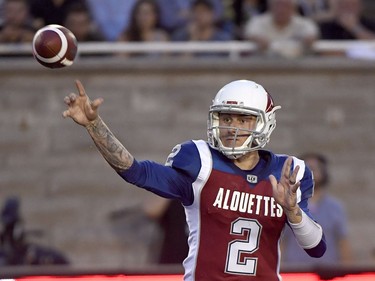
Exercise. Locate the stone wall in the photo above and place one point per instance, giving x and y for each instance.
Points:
(70, 193)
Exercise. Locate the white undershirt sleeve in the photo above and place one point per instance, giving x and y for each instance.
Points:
(308, 233)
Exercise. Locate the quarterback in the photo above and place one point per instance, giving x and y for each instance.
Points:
(237, 196)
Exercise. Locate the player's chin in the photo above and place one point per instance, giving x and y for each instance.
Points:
(233, 143)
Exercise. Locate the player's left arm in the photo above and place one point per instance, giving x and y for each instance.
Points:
(292, 192)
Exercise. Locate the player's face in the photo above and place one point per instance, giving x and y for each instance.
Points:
(235, 124)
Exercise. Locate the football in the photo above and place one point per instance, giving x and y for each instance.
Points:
(54, 46)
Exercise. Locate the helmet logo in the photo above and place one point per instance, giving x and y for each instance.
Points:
(270, 103)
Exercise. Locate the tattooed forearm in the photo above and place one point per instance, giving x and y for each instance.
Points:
(109, 146)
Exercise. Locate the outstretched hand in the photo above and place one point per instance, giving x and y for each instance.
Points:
(285, 191)
(80, 108)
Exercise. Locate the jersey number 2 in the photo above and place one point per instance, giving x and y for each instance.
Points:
(236, 263)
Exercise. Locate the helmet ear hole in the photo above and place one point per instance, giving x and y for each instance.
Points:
(242, 97)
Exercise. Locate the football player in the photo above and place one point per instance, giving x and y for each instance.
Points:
(237, 197)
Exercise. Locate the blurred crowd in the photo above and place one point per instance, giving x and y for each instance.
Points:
(278, 27)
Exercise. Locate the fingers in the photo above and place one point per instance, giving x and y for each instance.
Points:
(66, 114)
(67, 100)
(80, 105)
(293, 176)
(273, 180)
(80, 88)
(82, 93)
(96, 103)
(285, 172)
(289, 176)
(71, 98)
(285, 190)
(295, 187)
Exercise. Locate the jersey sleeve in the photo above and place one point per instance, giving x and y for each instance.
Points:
(174, 179)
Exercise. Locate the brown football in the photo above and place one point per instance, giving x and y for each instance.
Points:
(54, 46)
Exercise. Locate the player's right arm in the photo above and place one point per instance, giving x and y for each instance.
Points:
(172, 180)
(85, 112)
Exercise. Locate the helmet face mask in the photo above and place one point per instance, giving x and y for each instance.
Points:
(241, 98)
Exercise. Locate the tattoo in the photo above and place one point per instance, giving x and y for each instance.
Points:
(294, 216)
(109, 146)
(299, 213)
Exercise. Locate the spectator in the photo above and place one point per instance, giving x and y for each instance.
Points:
(318, 10)
(281, 31)
(17, 26)
(330, 213)
(244, 10)
(78, 20)
(174, 14)
(145, 24)
(348, 23)
(202, 26)
(111, 16)
(50, 11)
